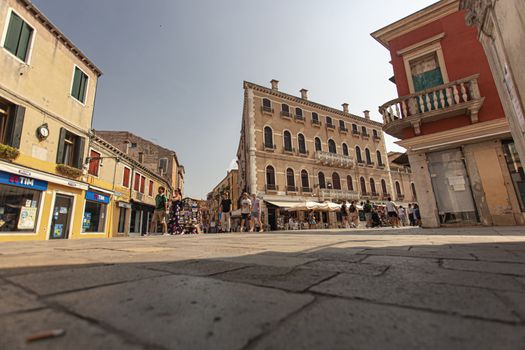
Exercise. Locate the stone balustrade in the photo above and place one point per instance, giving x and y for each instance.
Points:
(334, 159)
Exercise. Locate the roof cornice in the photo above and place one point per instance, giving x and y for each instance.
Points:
(416, 20)
(309, 103)
(28, 4)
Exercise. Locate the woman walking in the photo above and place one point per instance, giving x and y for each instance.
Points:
(174, 226)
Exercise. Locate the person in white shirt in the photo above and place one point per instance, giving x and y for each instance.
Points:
(402, 215)
(392, 213)
(256, 214)
(246, 209)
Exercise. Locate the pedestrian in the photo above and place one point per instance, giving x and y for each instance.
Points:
(410, 211)
(174, 226)
(354, 215)
(159, 214)
(344, 214)
(417, 215)
(402, 215)
(226, 209)
(311, 220)
(367, 208)
(392, 213)
(256, 214)
(246, 209)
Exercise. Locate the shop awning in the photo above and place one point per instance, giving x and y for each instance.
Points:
(283, 204)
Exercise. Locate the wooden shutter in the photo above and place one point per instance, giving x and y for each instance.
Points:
(17, 118)
(79, 152)
(150, 188)
(83, 85)
(60, 149)
(125, 180)
(136, 182)
(13, 33)
(94, 162)
(23, 44)
(142, 184)
(75, 89)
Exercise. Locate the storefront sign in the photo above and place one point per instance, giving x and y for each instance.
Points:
(124, 205)
(22, 181)
(97, 197)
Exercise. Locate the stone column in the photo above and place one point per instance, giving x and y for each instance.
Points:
(251, 143)
(426, 199)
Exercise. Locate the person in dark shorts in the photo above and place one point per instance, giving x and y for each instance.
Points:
(159, 215)
(246, 209)
(391, 210)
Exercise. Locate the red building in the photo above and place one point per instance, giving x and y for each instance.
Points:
(450, 119)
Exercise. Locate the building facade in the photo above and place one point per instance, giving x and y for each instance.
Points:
(157, 159)
(450, 119)
(47, 96)
(292, 149)
(228, 184)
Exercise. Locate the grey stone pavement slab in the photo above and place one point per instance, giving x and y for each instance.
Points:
(362, 289)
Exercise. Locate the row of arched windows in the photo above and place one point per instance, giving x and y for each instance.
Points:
(332, 148)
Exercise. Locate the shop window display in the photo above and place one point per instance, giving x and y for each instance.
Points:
(94, 217)
(18, 209)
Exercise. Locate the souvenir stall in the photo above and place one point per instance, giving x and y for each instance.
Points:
(189, 217)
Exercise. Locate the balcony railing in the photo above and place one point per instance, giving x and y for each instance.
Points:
(343, 129)
(333, 159)
(331, 194)
(356, 132)
(376, 137)
(266, 109)
(299, 118)
(269, 146)
(286, 114)
(460, 97)
(271, 188)
(316, 122)
(291, 188)
(330, 126)
(306, 189)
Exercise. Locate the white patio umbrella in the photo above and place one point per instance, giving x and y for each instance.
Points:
(303, 206)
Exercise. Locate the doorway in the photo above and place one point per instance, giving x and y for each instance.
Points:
(61, 217)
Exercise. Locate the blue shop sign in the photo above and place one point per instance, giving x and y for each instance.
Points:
(22, 181)
(97, 197)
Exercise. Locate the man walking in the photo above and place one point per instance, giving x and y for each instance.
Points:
(226, 209)
(256, 214)
(159, 214)
(246, 208)
(354, 215)
(367, 208)
(392, 213)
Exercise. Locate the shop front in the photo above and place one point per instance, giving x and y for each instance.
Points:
(141, 215)
(94, 219)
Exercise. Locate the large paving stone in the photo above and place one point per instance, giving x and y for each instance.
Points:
(79, 334)
(196, 267)
(13, 299)
(347, 267)
(452, 299)
(269, 260)
(515, 301)
(419, 264)
(291, 279)
(422, 253)
(51, 282)
(342, 254)
(183, 312)
(486, 266)
(350, 324)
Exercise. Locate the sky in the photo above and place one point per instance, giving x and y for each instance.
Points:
(173, 69)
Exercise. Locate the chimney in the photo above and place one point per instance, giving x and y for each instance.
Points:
(345, 107)
(304, 94)
(367, 114)
(275, 84)
(127, 146)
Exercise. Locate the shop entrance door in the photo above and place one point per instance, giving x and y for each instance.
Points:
(452, 188)
(61, 217)
(272, 220)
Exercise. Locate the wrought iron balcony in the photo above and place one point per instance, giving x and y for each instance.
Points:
(333, 159)
(272, 188)
(299, 118)
(343, 129)
(291, 189)
(316, 122)
(306, 189)
(330, 126)
(269, 146)
(332, 194)
(460, 97)
(267, 110)
(286, 114)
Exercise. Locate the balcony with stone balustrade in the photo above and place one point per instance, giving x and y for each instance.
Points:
(460, 97)
(334, 159)
(326, 194)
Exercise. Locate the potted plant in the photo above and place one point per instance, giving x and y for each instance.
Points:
(8, 152)
(69, 171)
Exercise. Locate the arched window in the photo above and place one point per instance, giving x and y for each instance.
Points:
(345, 149)
(331, 146)
(268, 137)
(342, 125)
(336, 181)
(315, 117)
(318, 146)
(374, 133)
(285, 110)
(329, 120)
(414, 195)
(379, 158)
(270, 178)
(322, 181)
(368, 156)
(349, 183)
(302, 143)
(287, 141)
(305, 182)
(358, 154)
(383, 186)
(267, 104)
(354, 129)
(372, 186)
(398, 188)
(299, 113)
(290, 179)
(363, 185)
(363, 131)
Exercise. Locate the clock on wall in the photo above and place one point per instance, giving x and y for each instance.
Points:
(42, 132)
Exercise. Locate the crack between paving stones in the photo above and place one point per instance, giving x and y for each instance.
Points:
(19, 312)
(321, 281)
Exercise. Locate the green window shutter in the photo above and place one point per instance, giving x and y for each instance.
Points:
(76, 84)
(83, 84)
(60, 149)
(18, 114)
(23, 44)
(13, 33)
(79, 152)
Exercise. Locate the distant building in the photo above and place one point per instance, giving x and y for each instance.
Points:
(162, 161)
(450, 119)
(228, 184)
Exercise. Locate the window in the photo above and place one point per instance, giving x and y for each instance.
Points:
(287, 141)
(398, 189)
(70, 149)
(322, 180)
(18, 37)
(299, 113)
(305, 183)
(150, 189)
(331, 146)
(358, 154)
(290, 179)
(268, 137)
(94, 217)
(336, 181)
(163, 166)
(363, 185)
(345, 149)
(141, 157)
(136, 182)
(142, 184)
(342, 125)
(329, 121)
(372, 186)
(80, 81)
(315, 117)
(122, 220)
(285, 110)
(11, 123)
(267, 105)
(302, 143)
(374, 133)
(379, 158)
(13, 202)
(426, 72)
(368, 156)
(94, 162)
(413, 187)
(318, 146)
(363, 131)
(126, 177)
(349, 183)
(383, 186)
(515, 167)
(354, 129)
(270, 177)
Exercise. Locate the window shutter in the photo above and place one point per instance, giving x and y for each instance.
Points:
(13, 33)
(60, 150)
(83, 85)
(79, 152)
(18, 123)
(75, 89)
(23, 44)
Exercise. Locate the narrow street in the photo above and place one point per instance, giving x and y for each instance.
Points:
(397, 289)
